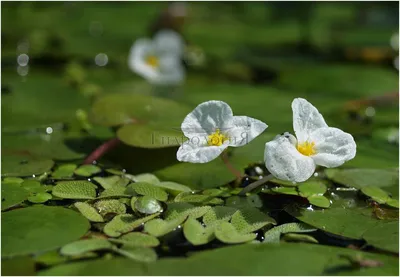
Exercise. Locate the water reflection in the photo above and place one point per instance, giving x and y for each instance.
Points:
(22, 70)
(101, 59)
(23, 59)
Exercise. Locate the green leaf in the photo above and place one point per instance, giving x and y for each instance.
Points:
(173, 188)
(196, 234)
(86, 245)
(12, 195)
(384, 236)
(146, 178)
(376, 194)
(75, 190)
(312, 188)
(147, 205)
(247, 220)
(242, 202)
(196, 198)
(40, 197)
(125, 223)
(218, 213)
(393, 203)
(284, 190)
(273, 235)
(107, 182)
(319, 201)
(227, 233)
(113, 206)
(117, 191)
(147, 189)
(137, 239)
(12, 180)
(18, 266)
(89, 212)
(20, 166)
(140, 254)
(87, 170)
(299, 238)
(64, 171)
(50, 258)
(158, 227)
(37, 229)
(31, 185)
(180, 209)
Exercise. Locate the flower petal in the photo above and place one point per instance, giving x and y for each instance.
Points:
(170, 70)
(195, 153)
(168, 42)
(286, 163)
(206, 118)
(333, 146)
(306, 119)
(136, 61)
(243, 129)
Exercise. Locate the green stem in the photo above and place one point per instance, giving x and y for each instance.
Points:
(256, 184)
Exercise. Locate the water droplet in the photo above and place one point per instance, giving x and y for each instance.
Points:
(101, 59)
(49, 130)
(258, 170)
(23, 59)
(310, 208)
(179, 226)
(22, 70)
(89, 179)
(33, 175)
(316, 174)
(370, 111)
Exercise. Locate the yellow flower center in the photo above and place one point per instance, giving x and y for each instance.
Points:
(306, 148)
(217, 139)
(152, 61)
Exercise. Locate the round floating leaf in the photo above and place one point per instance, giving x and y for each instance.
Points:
(273, 235)
(110, 206)
(283, 190)
(89, 212)
(140, 254)
(393, 203)
(158, 227)
(384, 236)
(19, 166)
(147, 205)
(249, 201)
(64, 171)
(147, 178)
(12, 180)
(137, 239)
(299, 238)
(40, 197)
(150, 136)
(227, 233)
(196, 234)
(31, 185)
(50, 258)
(107, 182)
(376, 194)
(180, 209)
(195, 198)
(359, 177)
(218, 213)
(123, 108)
(147, 189)
(124, 223)
(173, 188)
(87, 170)
(74, 190)
(116, 191)
(37, 229)
(319, 201)
(312, 188)
(18, 266)
(12, 195)
(248, 220)
(86, 245)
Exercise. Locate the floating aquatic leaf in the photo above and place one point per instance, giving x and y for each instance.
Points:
(147, 189)
(40, 197)
(137, 239)
(20, 166)
(312, 188)
(125, 223)
(284, 183)
(284, 190)
(319, 201)
(110, 206)
(384, 236)
(32, 185)
(18, 266)
(197, 198)
(216, 192)
(273, 235)
(147, 178)
(74, 190)
(247, 220)
(12, 180)
(227, 233)
(140, 254)
(376, 194)
(37, 229)
(107, 182)
(299, 238)
(89, 212)
(249, 201)
(173, 188)
(393, 203)
(196, 234)
(116, 191)
(180, 209)
(64, 171)
(218, 213)
(12, 195)
(87, 170)
(86, 245)
(158, 227)
(147, 205)
(50, 258)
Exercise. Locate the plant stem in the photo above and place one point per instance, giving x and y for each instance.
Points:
(228, 164)
(101, 150)
(256, 184)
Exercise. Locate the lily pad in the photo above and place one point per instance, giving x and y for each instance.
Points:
(227, 233)
(86, 245)
(140, 254)
(107, 182)
(243, 202)
(384, 236)
(40, 197)
(218, 213)
(20, 166)
(12, 195)
(180, 209)
(377, 194)
(312, 188)
(196, 234)
(248, 220)
(31, 185)
(284, 190)
(137, 239)
(117, 191)
(158, 227)
(75, 190)
(18, 266)
(147, 205)
(113, 206)
(273, 235)
(87, 170)
(12, 180)
(319, 201)
(173, 188)
(299, 238)
(89, 212)
(393, 203)
(197, 198)
(37, 229)
(125, 223)
(147, 178)
(64, 171)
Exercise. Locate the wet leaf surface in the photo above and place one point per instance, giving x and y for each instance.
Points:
(74, 190)
(86, 245)
(12, 195)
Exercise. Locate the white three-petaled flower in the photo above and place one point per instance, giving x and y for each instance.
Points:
(291, 159)
(211, 128)
(159, 60)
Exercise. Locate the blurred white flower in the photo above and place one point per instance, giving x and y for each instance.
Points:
(295, 159)
(211, 128)
(159, 60)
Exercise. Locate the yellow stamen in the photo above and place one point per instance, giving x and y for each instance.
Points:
(152, 61)
(217, 139)
(306, 148)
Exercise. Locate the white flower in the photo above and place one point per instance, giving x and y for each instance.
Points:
(159, 60)
(291, 159)
(211, 128)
